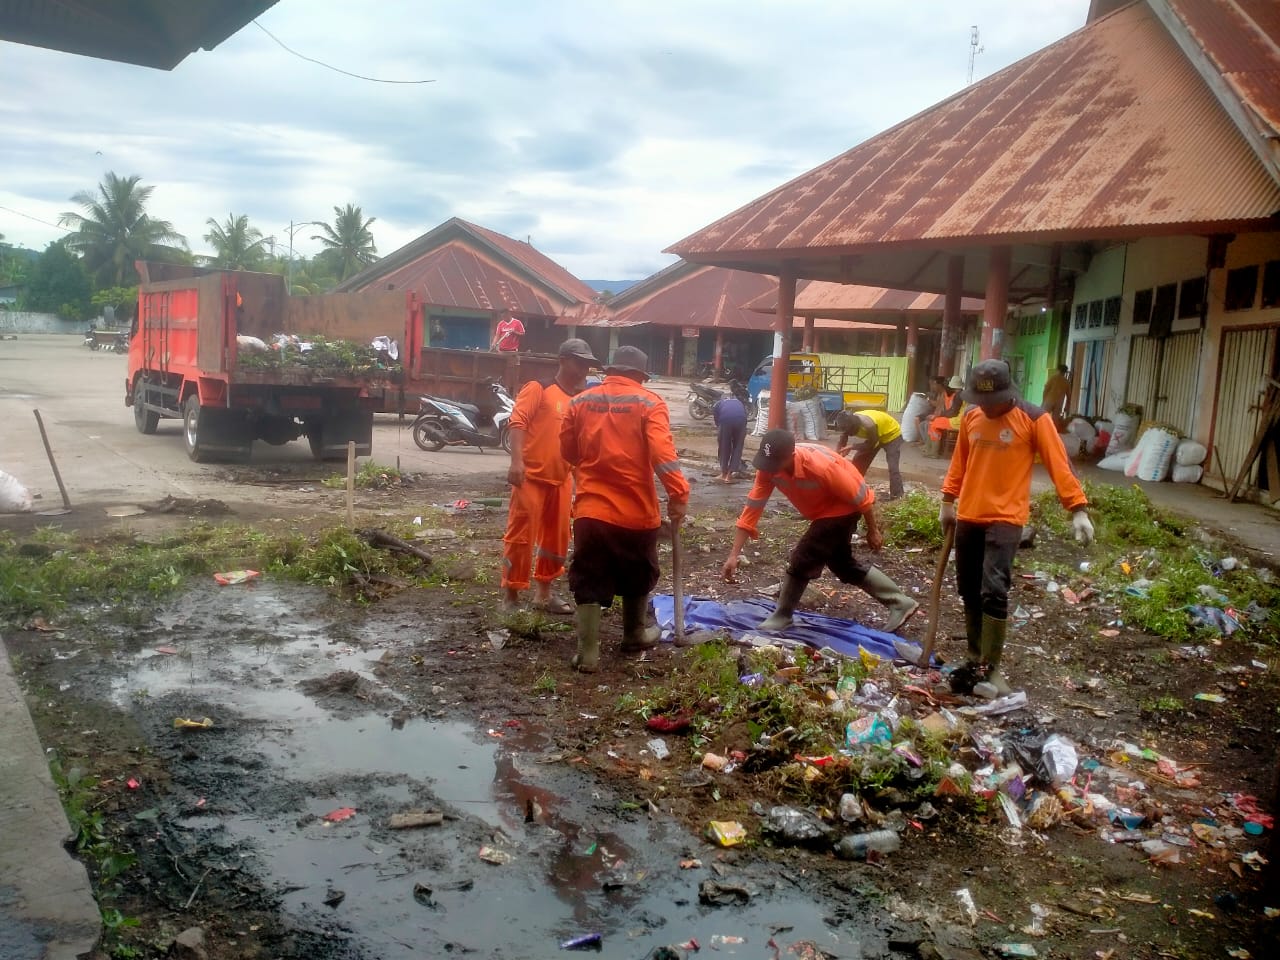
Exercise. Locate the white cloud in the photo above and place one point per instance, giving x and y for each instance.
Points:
(604, 131)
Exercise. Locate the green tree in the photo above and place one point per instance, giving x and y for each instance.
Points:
(310, 277)
(348, 244)
(236, 244)
(58, 284)
(115, 230)
(123, 301)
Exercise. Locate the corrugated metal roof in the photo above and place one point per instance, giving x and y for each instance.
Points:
(538, 270)
(819, 298)
(1110, 132)
(1241, 41)
(455, 275)
(538, 263)
(687, 295)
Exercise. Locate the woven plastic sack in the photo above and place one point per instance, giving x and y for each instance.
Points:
(1186, 473)
(819, 414)
(1157, 453)
(1131, 468)
(1083, 429)
(1190, 454)
(1123, 432)
(1073, 444)
(1116, 461)
(14, 497)
(762, 414)
(916, 406)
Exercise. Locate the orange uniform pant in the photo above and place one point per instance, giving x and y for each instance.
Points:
(537, 536)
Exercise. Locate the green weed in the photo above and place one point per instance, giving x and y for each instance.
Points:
(369, 476)
(1164, 704)
(546, 683)
(912, 520)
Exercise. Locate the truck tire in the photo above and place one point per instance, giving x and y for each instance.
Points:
(195, 421)
(145, 420)
(429, 433)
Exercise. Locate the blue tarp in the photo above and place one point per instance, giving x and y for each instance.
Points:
(743, 616)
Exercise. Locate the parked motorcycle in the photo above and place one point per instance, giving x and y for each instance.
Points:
(444, 422)
(702, 398)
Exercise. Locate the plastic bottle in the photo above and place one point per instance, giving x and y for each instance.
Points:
(856, 846)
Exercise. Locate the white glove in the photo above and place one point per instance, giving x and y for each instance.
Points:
(947, 515)
(1083, 527)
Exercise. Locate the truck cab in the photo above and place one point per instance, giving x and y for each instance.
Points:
(832, 384)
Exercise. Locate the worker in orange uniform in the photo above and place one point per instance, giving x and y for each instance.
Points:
(986, 497)
(618, 436)
(538, 519)
(829, 492)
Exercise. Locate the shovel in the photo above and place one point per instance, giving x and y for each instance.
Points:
(677, 581)
(917, 656)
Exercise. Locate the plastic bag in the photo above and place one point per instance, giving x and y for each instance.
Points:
(1058, 759)
(1190, 453)
(1116, 461)
(916, 406)
(1182, 473)
(14, 497)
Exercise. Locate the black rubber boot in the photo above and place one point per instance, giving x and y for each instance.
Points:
(635, 635)
(790, 594)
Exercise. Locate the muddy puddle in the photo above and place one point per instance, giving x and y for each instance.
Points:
(303, 727)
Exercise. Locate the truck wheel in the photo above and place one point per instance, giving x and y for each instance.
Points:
(428, 433)
(195, 420)
(145, 420)
(315, 440)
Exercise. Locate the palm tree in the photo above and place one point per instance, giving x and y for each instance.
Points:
(236, 245)
(115, 230)
(348, 244)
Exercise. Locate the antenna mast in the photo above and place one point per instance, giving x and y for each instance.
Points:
(974, 49)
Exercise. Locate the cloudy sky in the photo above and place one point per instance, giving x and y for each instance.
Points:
(602, 131)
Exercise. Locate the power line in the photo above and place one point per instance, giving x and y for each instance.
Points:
(36, 219)
(329, 66)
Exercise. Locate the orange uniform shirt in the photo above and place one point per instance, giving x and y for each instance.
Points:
(821, 484)
(618, 435)
(539, 412)
(990, 471)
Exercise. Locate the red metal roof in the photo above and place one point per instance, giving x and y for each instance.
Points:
(687, 295)
(1110, 132)
(818, 298)
(537, 262)
(1241, 41)
(455, 275)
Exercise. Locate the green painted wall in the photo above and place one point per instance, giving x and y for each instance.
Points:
(896, 367)
(1032, 350)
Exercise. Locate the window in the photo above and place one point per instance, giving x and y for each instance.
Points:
(1111, 312)
(1191, 303)
(1162, 309)
(1142, 306)
(1242, 285)
(1081, 316)
(1271, 284)
(1095, 314)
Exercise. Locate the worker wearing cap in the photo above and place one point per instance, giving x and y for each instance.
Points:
(986, 497)
(618, 436)
(830, 493)
(863, 435)
(946, 414)
(537, 534)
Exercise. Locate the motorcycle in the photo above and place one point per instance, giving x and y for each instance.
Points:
(703, 398)
(442, 422)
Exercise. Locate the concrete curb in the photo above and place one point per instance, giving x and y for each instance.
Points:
(47, 910)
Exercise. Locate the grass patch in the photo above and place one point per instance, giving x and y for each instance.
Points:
(912, 521)
(369, 476)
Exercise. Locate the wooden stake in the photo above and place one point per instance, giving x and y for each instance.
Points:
(351, 483)
(66, 500)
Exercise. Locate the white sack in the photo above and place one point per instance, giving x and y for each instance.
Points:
(1186, 473)
(1190, 454)
(14, 497)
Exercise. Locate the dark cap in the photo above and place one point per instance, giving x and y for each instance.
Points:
(578, 348)
(629, 360)
(989, 382)
(776, 448)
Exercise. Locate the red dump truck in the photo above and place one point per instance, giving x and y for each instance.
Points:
(192, 356)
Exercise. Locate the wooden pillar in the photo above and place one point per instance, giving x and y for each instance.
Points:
(782, 362)
(671, 353)
(913, 342)
(997, 301)
(718, 362)
(807, 345)
(949, 346)
(884, 344)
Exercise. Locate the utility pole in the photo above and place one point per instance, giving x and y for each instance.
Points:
(294, 228)
(974, 49)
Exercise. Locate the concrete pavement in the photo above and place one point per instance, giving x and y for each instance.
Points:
(47, 910)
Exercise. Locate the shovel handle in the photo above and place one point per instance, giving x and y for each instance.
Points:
(935, 596)
(677, 580)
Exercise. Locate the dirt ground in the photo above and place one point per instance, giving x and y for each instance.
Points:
(443, 653)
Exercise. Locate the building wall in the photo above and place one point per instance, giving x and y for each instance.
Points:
(21, 321)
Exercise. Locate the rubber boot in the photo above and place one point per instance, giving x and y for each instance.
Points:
(588, 656)
(635, 635)
(790, 594)
(993, 634)
(900, 606)
(973, 634)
